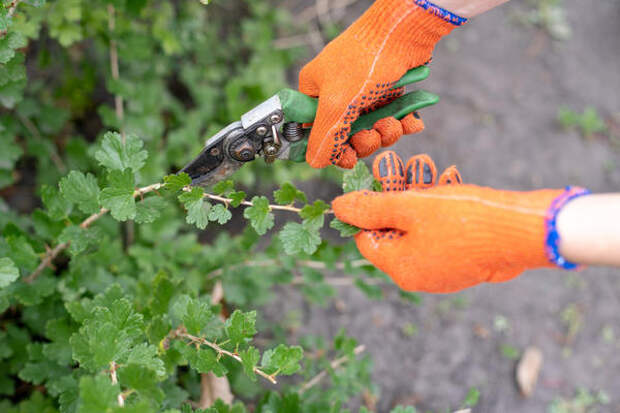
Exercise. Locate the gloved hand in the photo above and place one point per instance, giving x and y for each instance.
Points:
(356, 71)
(451, 236)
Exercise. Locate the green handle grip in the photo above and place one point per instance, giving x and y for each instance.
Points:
(301, 108)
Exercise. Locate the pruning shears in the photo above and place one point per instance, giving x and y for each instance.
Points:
(275, 130)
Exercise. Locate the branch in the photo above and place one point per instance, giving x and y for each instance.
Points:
(333, 365)
(114, 378)
(181, 332)
(272, 207)
(53, 253)
(118, 100)
(316, 265)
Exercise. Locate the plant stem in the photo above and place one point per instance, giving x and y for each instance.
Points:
(334, 364)
(118, 100)
(181, 332)
(120, 398)
(53, 253)
(11, 10)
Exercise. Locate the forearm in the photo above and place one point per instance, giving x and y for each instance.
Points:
(589, 229)
(468, 8)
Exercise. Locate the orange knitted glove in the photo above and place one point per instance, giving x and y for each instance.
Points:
(356, 71)
(451, 236)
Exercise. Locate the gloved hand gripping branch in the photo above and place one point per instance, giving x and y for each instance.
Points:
(446, 237)
(355, 72)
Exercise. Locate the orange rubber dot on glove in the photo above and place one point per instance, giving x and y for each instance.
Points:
(357, 70)
(450, 236)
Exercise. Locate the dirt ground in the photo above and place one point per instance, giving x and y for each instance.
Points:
(501, 84)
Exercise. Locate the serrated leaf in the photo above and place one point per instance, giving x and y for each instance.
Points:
(250, 358)
(22, 253)
(207, 361)
(175, 183)
(346, 230)
(197, 315)
(80, 238)
(114, 155)
(8, 272)
(297, 237)
(118, 195)
(141, 379)
(148, 210)
(146, 355)
(314, 214)
(220, 213)
(197, 208)
(283, 360)
(82, 190)
(259, 215)
(8, 43)
(357, 179)
(97, 394)
(56, 205)
(240, 327)
(288, 194)
(236, 198)
(223, 187)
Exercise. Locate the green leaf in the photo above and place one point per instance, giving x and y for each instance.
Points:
(118, 195)
(472, 397)
(288, 194)
(313, 214)
(236, 198)
(223, 187)
(82, 190)
(249, 359)
(282, 360)
(175, 183)
(297, 237)
(259, 215)
(57, 206)
(148, 210)
(22, 253)
(197, 208)
(8, 272)
(97, 394)
(208, 361)
(141, 379)
(197, 316)
(373, 292)
(220, 213)
(346, 230)
(8, 43)
(114, 155)
(80, 238)
(240, 327)
(357, 179)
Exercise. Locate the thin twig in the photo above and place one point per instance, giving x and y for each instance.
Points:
(120, 398)
(333, 365)
(118, 100)
(53, 253)
(317, 265)
(181, 332)
(11, 10)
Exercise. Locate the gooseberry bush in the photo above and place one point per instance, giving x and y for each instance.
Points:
(122, 287)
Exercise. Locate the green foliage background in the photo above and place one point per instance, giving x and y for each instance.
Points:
(123, 312)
